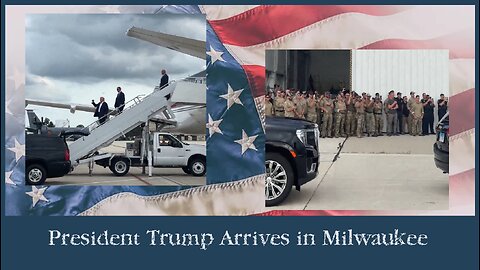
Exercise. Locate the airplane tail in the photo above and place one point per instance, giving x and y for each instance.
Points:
(33, 122)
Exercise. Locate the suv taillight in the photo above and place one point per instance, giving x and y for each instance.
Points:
(67, 155)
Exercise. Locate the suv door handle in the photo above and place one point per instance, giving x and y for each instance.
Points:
(187, 150)
(159, 150)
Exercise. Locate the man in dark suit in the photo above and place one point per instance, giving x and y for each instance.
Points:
(101, 110)
(119, 100)
(164, 79)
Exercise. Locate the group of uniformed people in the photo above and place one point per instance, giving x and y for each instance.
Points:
(349, 113)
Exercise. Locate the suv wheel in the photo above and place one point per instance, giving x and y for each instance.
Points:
(36, 175)
(279, 179)
(197, 166)
(120, 167)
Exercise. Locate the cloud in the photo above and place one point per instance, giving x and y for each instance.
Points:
(41, 88)
(87, 48)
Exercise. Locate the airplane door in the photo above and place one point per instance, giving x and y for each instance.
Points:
(168, 152)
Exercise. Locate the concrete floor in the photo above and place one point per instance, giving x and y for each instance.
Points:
(381, 173)
(103, 176)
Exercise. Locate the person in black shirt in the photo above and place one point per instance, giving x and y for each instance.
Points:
(399, 124)
(405, 114)
(427, 123)
(442, 104)
(119, 100)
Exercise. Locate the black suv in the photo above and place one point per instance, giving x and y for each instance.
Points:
(440, 147)
(46, 157)
(292, 156)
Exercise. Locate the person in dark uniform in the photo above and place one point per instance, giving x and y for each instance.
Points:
(119, 100)
(406, 115)
(163, 79)
(101, 110)
(442, 104)
(427, 123)
(429, 113)
(399, 124)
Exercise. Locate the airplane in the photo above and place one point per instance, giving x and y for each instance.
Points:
(188, 102)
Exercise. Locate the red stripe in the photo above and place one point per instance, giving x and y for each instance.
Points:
(462, 111)
(256, 79)
(265, 23)
(462, 190)
(460, 45)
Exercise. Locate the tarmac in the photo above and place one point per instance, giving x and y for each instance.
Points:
(379, 173)
(374, 173)
(135, 177)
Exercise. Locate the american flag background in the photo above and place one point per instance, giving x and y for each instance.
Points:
(237, 37)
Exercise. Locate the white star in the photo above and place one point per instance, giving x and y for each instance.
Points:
(18, 149)
(247, 142)
(37, 195)
(232, 97)
(213, 126)
(215, 55)
(8, 179)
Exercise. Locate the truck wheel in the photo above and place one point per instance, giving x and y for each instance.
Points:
(186, 170)
(279, 179)
(36, 175)
(197, 166)
(119, 166)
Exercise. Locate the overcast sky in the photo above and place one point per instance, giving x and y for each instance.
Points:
(74, 58)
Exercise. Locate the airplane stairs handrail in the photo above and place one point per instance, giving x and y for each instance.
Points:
(95, 124)
(138, 111)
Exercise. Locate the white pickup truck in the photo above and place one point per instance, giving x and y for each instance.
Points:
(167, 151)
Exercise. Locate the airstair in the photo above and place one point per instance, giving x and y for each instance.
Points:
(154, 107)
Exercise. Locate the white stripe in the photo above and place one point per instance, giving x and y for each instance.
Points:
(354, 30)
(224, 12)
(245, 197)
(462, 75)
(462, 152)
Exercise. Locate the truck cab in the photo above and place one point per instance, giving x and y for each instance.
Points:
(169, 151)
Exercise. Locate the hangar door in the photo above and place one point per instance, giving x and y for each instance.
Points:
(421, 71)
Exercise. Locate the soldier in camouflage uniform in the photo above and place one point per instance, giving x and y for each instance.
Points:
(319, 111)
(268, 106)
(354, 121)
(378, 115)
(341, 111)
(327, 108)
(289, 106)
(369, 118)
(410, 102)
(417, 116)
(391, 112)
(300, 105)
(360, 109)
(349, 125)
(311, 108)
(278, 104)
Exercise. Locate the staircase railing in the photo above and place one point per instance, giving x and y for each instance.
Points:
(133, 102)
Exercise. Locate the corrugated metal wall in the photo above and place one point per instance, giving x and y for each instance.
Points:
(422, 71)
